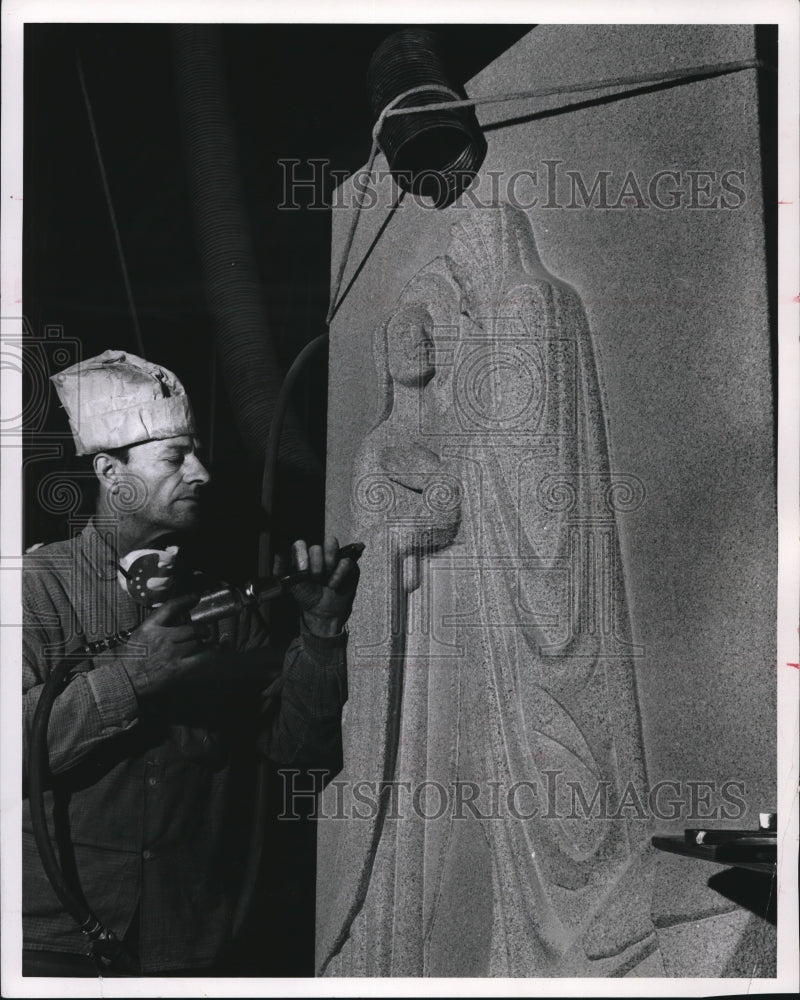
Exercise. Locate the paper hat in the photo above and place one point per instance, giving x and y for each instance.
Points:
(118, 399)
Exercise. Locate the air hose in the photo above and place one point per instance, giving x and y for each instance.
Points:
(108, 952)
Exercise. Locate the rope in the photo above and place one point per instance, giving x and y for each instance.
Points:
(376, 147)
(334, 305)
(111, 212)
(391, 110)
(707, 69)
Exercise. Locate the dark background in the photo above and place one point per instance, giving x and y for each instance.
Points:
(294, 92)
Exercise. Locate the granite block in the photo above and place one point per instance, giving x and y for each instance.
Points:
(706, 947)
(553, 427)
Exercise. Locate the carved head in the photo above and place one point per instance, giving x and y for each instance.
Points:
(491, 249)
(409, 346)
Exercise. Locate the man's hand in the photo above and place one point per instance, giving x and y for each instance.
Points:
(172, 650)
(326, 598)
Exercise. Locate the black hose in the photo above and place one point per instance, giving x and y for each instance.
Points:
(256, 849)
(246, 349)
(273, 450)
(109, 953)
(248, 360)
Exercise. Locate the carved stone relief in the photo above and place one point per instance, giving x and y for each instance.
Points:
(492, 690)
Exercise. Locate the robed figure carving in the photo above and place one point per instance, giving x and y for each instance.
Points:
(492, 690)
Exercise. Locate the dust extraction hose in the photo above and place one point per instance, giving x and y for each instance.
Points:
(246, 347)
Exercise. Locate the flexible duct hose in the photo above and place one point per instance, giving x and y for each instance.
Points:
(246, 349)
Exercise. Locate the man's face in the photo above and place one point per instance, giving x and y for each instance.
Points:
(171, 476)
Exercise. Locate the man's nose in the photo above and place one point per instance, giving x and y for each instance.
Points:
(195, 471)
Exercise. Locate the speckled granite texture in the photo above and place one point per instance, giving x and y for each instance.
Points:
(553, 427)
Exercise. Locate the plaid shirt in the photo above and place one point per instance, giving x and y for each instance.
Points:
(141, 792)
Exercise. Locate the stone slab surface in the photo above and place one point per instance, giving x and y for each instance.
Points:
(676, 303)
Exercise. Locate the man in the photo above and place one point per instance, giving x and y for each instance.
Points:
(148, 742)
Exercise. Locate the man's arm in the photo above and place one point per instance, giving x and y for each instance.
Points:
(306, 730)
(99, 703)
(102, 699)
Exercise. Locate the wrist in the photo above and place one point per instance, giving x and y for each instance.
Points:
(113, 689)
(322, 626)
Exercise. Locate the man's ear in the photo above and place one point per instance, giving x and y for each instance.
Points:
(105, 468)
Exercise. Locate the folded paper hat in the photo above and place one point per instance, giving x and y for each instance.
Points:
(118, 399)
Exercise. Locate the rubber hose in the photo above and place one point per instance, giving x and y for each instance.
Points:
(246, 348)
(104, 946)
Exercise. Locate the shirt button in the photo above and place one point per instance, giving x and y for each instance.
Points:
(152, 782)
(147, 855)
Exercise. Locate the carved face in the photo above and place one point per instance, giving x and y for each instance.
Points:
(469, 296)
(469, 307)
(410, 346)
